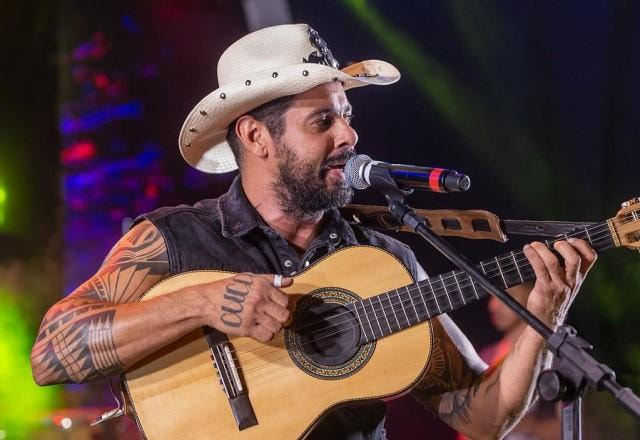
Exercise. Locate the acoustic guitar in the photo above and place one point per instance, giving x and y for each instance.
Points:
(360, 330)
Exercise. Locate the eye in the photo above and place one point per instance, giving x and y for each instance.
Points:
(325, 121)
(349, 117)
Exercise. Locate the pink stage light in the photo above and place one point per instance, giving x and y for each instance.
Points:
(78, 152)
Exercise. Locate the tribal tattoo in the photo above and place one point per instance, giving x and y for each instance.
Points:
(450, 383)
(75, 341)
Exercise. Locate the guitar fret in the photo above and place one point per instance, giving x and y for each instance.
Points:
(366, 315)
(446, 293)
(384, 314)
(473, 284)
(482, 267)
(423, 301)
(393, 309)
(586, 230)
(433, 292)
(402, 305)
(364, 332)
(375, 315)
(517, 267)
(455, 277)
(501, 273)
(412, 303)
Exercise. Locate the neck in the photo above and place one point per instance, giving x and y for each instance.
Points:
(299, 232)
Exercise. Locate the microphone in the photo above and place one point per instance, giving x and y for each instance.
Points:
(361, 172)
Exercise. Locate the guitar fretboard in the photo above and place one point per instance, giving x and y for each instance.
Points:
(398, 309)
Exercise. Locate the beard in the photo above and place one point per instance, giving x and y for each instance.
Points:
(302, 191)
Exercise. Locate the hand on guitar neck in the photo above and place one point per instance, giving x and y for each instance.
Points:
(557, 283)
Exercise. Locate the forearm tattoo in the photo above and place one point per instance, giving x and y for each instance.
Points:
(75, 341)
(450, 384)
(234, 295)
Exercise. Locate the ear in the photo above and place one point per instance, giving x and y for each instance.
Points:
(254, 135)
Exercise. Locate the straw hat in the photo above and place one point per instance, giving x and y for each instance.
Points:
(262, 66)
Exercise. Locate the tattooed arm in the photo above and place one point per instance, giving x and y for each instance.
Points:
(100, 328)
(77, 341)
(478, 401)
(486, 403)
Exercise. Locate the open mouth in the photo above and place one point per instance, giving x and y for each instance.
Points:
(333, 168)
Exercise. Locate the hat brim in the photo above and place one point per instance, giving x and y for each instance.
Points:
(202, 139)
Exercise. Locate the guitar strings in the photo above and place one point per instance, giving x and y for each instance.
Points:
(510, 257)
(496, 261)
(595, 236)
(492, 273)
(463, 285)
(248, 372)
(261, 371)
(411, 297)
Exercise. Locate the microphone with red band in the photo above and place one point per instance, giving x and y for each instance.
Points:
(361, 172)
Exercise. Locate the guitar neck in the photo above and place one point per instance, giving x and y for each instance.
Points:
(398, 309)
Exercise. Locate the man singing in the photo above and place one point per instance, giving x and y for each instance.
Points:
(281, 116)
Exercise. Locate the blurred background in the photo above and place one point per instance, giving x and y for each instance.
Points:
(538, 101)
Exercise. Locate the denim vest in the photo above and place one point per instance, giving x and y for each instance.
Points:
(228, 234)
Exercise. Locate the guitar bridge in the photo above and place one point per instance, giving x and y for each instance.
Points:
(230, 379)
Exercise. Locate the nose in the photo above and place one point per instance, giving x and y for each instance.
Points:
(345, 136)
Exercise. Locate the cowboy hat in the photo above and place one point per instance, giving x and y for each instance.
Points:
(262, 66)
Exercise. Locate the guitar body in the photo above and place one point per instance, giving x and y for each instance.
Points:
(176, 392)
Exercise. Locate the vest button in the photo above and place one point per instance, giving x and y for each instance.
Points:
(287, 263)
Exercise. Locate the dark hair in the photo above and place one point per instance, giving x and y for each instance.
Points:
(271, 114)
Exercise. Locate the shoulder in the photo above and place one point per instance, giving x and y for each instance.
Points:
(378, 238)
(204, 208)
(143, 242)
(402, 251)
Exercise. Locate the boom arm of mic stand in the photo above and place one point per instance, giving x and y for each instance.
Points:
(576, 366)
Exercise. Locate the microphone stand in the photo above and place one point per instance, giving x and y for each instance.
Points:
(574, 368)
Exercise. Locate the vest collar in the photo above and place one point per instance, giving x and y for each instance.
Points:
(237, 215)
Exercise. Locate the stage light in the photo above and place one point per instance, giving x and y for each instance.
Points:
(23, 404)
(3, 202)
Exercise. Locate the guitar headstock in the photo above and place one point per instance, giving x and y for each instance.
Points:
(626, 225)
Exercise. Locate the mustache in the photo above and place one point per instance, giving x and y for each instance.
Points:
(339, 159)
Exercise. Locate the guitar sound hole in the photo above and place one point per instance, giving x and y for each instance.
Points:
(328, 333)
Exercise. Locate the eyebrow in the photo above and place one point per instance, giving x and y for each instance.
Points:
(348, 108)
